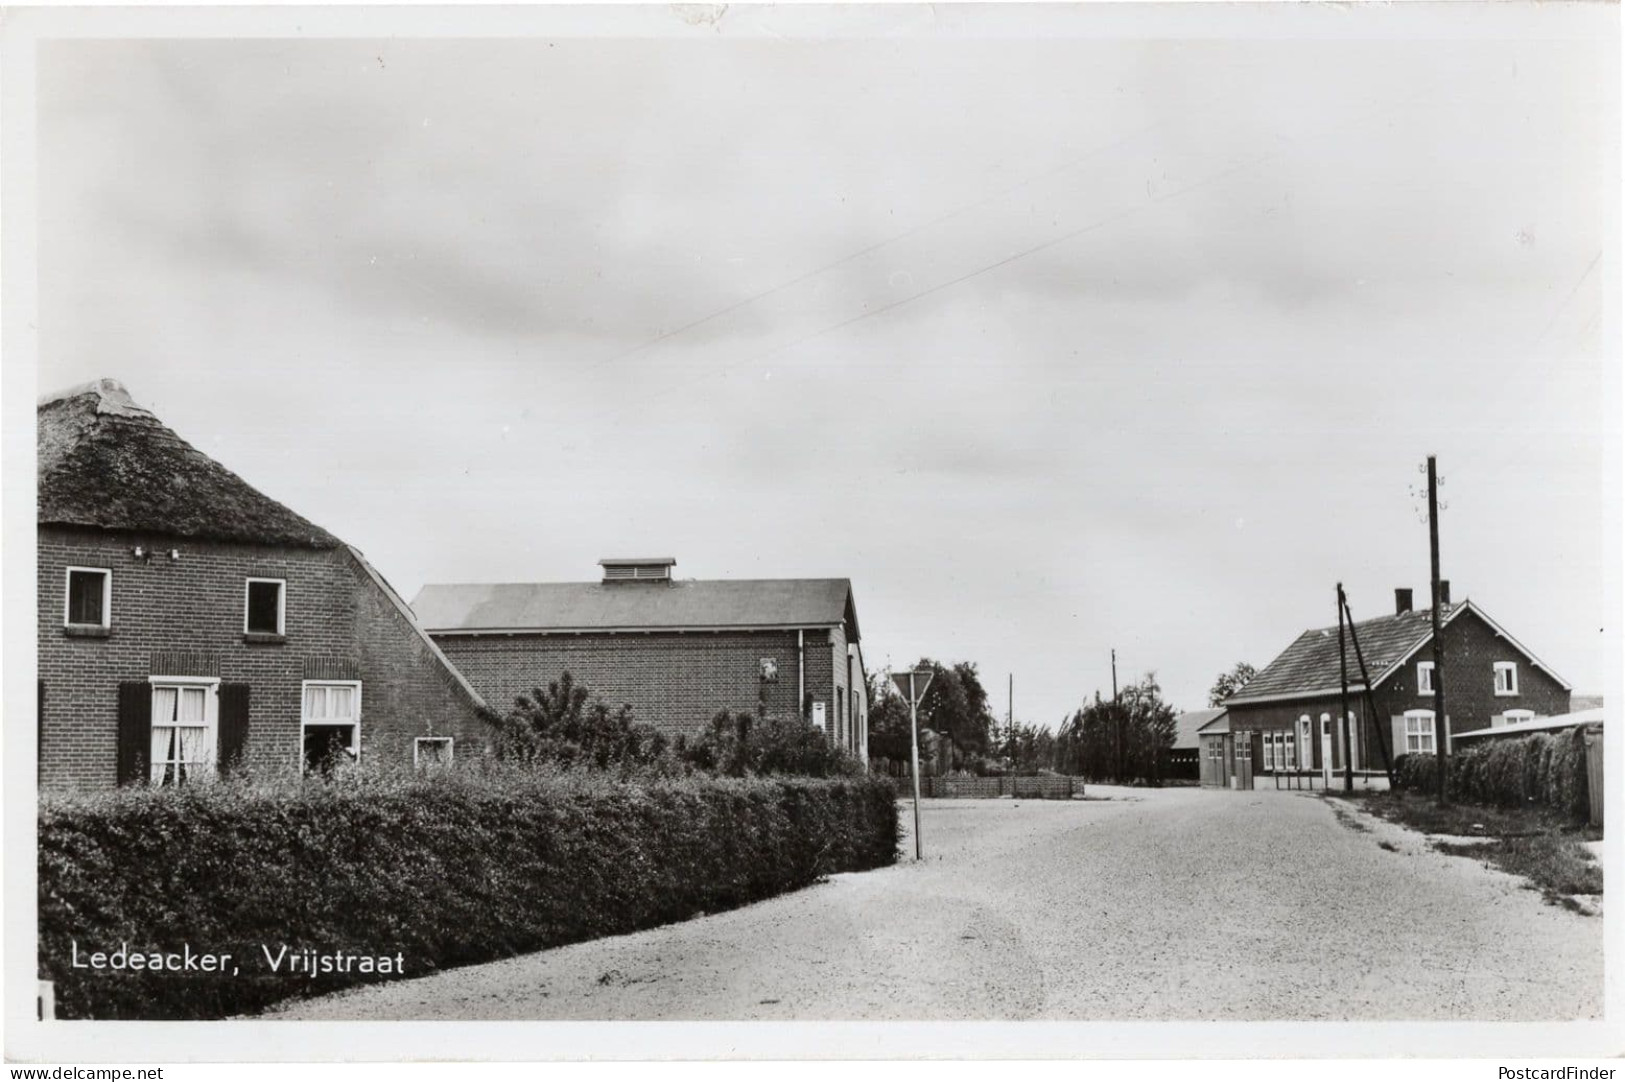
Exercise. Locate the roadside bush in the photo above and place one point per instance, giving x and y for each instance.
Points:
(1540, 768)
(738, 745)
(455, 868)
(559, 725)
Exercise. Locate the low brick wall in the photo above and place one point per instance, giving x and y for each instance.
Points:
(1042, 787)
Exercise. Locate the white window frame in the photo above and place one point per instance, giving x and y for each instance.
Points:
(281, 608)
(1512, 717)
(1510, 667)
(418, 742)
(1424, 686)
(1432, 733)
(107, 595)
(304, 722)
(1289, 750)
(211, 722)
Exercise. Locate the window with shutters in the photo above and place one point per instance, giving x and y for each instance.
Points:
(1506, 678)
(1419, 737)
(330, 719)
(184, 738)
(1289, 750)
(1269, 751)
(89, 600)
(431, 752)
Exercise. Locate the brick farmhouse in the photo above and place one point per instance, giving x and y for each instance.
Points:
(1286, 717)
(675, 651)
(188, 622)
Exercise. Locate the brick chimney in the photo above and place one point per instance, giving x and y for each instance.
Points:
(1402, 602)
(638, 569)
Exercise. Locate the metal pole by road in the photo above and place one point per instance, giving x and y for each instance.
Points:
(913, 685)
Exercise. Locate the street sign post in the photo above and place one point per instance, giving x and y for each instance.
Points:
(913, 685)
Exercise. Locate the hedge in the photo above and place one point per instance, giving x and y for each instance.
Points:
(1540, 768)
(442, 871)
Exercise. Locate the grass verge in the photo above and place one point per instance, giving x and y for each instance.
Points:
(1534, 843)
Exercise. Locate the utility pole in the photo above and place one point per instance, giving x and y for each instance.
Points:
(1343, 671)
(1117, 722)
(1441, 735)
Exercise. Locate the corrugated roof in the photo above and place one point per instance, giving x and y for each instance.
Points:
(1311, 664)
(1188, 724)
(108, 463)
(597, 606)
(1537, 725)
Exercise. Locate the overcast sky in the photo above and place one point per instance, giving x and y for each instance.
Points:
(1049, 345)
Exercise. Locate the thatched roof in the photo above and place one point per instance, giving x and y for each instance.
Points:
(106, 462)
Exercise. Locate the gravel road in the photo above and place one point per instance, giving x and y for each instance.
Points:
(1178, 904)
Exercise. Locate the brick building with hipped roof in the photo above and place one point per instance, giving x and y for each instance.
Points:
(188, 622)
(676, 651)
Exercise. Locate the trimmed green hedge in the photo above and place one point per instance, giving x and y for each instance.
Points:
(443, 871)
(1541, 768)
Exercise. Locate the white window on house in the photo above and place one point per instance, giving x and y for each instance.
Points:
(1506, 678)
(330, 721)
(1424, 678)
(1290, 747)
(185, 718)
(264, 606)
(431, 752)
(89, 600)
(1305, 736)
(1512, 717)
(1419, 738)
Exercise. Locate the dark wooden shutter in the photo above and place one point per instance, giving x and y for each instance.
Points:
(134, 731)
(233, 725)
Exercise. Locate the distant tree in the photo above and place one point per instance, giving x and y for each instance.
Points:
(956, 705)
(1230, 682)
(888, 720)
(1119, 741)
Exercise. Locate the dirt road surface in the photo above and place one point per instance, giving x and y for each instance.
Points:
(1178, 904)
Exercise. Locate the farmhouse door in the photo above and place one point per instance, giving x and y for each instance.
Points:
(1244, 761)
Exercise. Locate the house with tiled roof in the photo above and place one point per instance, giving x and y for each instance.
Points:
(676, 651)
(189, 623)
(1288, 714)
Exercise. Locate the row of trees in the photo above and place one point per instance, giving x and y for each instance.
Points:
(1105, 740)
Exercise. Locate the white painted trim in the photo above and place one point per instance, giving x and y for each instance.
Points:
(304, 721)
(211, 712)
(419, 741)
(1427, 667)
(1433, 731)
(1506, 666)
(107, 595)
(281, 605)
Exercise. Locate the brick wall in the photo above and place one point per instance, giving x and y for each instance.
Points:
(1471, 649)
(676, 681)
(335, 616)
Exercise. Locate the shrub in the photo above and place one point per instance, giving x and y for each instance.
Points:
(1540, 768)
(738, 745)
(446, 870)
(559, 725)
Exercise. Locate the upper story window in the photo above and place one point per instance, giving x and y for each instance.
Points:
(1424, 678)
(1506, 678)
(89, 600)
(264, 606)
(1419, 737)
(1512, 717)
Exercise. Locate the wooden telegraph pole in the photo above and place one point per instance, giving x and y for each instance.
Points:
(1441, 738)
(1117, 722)
(1343, 670)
